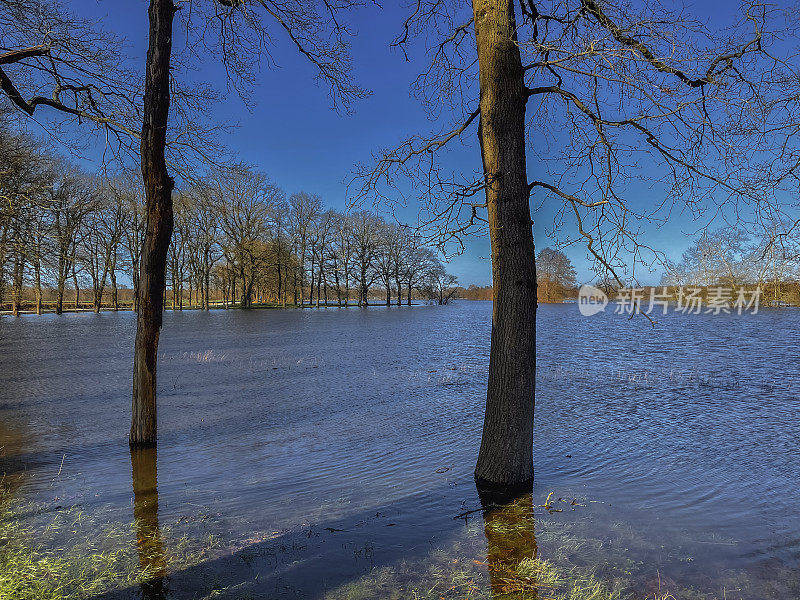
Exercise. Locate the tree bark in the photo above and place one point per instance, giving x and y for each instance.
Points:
(506, 454)
(158, 188)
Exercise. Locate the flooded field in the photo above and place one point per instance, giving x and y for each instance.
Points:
(329, 454)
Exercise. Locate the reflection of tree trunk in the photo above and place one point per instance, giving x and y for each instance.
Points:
(145, 515)
(511, 547)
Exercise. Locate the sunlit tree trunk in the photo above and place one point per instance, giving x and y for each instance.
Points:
(158, 188)
(506, 454)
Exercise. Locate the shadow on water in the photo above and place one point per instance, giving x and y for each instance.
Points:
(312, 562)
(305, 562)
(144, 472)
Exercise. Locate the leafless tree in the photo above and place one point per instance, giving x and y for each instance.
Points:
(593, 91)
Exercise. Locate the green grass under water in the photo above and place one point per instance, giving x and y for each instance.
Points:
(70, 555)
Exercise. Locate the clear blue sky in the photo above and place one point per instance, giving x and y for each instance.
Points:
(293, 135)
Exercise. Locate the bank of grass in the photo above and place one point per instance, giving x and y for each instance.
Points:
(69, 555)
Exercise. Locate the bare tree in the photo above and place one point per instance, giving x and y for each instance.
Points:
(592, 91)
(305, 210)
(386, 258)
(245, 201)
(438, 285)
(554, 275)
(366, 234)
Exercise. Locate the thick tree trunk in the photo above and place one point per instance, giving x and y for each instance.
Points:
(506, 454)
(158, 188)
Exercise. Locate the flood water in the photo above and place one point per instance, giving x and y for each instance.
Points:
(329, 452)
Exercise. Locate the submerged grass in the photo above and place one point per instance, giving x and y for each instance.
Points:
(503, 557)
(66, 554)
(70, 555)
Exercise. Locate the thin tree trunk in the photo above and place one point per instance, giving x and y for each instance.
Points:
(37, 267)
(114, 290)
(158, 189)
(77, 288)
(319, 282)
(399, 290)
(60, 290)
(19, 270)
(207, 280)
(506, 454)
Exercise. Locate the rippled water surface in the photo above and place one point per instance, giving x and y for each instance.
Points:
(330, 451)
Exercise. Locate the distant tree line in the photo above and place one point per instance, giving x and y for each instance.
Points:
(238, 240)
(555, 279)
(733, 257)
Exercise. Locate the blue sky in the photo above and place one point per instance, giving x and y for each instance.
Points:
(292, 134)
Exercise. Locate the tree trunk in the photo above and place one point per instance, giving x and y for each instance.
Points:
(158, 189)
(207, 280)
(38, 275)
(114, 290)
(60, 296)
(399, 290)
(19, 270)
(506, 454)
(77, 288)
(319, 282)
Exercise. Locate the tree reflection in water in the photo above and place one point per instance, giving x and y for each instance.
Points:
(148, 533)
(512, 553)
